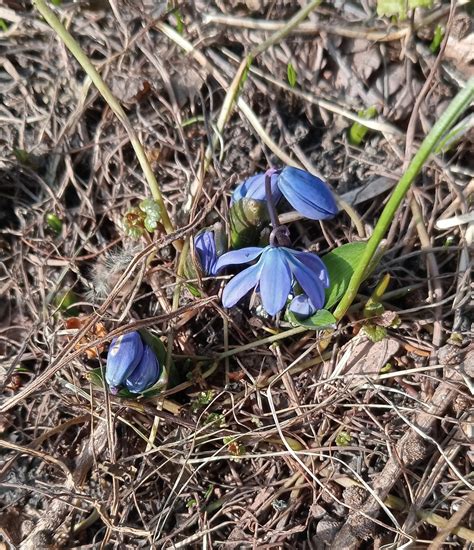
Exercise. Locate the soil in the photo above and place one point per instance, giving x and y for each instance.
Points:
(357, 438)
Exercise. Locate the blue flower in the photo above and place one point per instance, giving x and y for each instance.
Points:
(302, 307)
(125, 352)
(205, 247)
(145, 374)
(306, 193)
(254, 188)
(276, 271)
(131, 363)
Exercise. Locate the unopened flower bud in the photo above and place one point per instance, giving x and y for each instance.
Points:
(145, 374)
(125, 353)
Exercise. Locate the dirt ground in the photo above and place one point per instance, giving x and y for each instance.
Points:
(272, 436)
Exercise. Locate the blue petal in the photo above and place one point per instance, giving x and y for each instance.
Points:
(124, 355)
(205, 246)
(307, 280)
(307, 194)
(254, 188)
(145, 374)
(242, 256)
(315, 264)
(242, 283)
(302, 307)
(275, 280)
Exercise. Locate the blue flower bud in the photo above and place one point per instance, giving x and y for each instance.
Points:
(145, 374)
(307, 194)
(302, 307)
(125, 353)
(205, 246)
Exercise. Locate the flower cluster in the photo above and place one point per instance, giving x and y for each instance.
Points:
(279, 270)
(131, 363)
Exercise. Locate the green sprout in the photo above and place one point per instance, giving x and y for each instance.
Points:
(358, 131)
(65, 301)
(144, 217)
(54, 223)
(202, 399)
(291, 75)
(343, 439)
(437, 39)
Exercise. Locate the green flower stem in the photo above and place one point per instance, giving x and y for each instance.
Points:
(262, 342)
(448, 118)
(113, 103)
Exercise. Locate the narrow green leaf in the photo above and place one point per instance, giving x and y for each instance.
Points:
(291, 74)
(437, 39)
(358, 131)
(179, 22)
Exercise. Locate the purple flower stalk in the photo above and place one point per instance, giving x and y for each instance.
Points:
(306, 193)
(274, 274)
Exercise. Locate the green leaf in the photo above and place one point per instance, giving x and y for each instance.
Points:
(374, 332)
(437, 39)
(179, 22)
(341, 263)
(65, 301)
(153, 214)
(399, 8)
(194, 290)
(392, 7)
(133, 223)
(343, 439)
(358, 131)
(412, 4)
(320, 320)
(54, 223)
(291, 74)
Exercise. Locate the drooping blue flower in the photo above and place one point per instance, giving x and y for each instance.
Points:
(125, 352)
(306, 193)
(254, 188)
(205, 247)
(302, 307)
(145, 374)
(277, 269)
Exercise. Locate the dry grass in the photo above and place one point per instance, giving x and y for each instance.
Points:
(267, 444)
